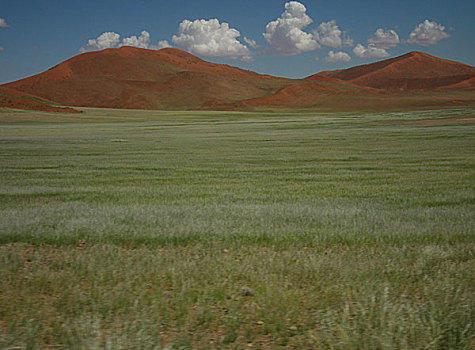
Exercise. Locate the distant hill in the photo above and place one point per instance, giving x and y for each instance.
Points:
(136, 78)
(415, 79)
(412, 71)
(171, 79)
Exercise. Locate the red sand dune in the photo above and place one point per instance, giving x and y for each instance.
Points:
(10, 98)
(133, 78)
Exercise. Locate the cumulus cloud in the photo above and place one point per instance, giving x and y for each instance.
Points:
(251, 43)
(384, 39)
(285, 34)
(339, 56)
(162, 44)
(104, 41)
(3, 23)
(209, 38)
(427, 33)
(109, 40)
(142, 41)
(329, 34)
(370, 52)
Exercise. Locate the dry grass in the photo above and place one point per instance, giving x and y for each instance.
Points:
(233, 231)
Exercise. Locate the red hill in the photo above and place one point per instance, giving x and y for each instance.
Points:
(412, 71)
(133, 78)
(146, 79)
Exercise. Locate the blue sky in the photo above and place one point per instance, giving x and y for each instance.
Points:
(291, 39)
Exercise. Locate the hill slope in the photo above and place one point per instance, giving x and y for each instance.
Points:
(10, 98)
(412, 80)
(133, 78)
(412, 71)
(145, 79)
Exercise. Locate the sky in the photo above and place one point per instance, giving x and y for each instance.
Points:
(283, 38)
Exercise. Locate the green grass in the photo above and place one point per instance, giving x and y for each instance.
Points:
(140, 230)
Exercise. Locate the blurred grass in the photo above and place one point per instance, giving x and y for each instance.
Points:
(138, 229)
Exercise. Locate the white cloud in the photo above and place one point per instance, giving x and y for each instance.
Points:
(427, 33)
(247, 59)
(329, 34)
(3, 23)
(104, 41)
(109, 40)
(251, 43)
(162, 44)
(209, 38)
(370, 52)
(384, 39)
(285, 34)
(339, 56)
(143, 41)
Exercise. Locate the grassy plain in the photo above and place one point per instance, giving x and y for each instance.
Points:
(170, 230)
